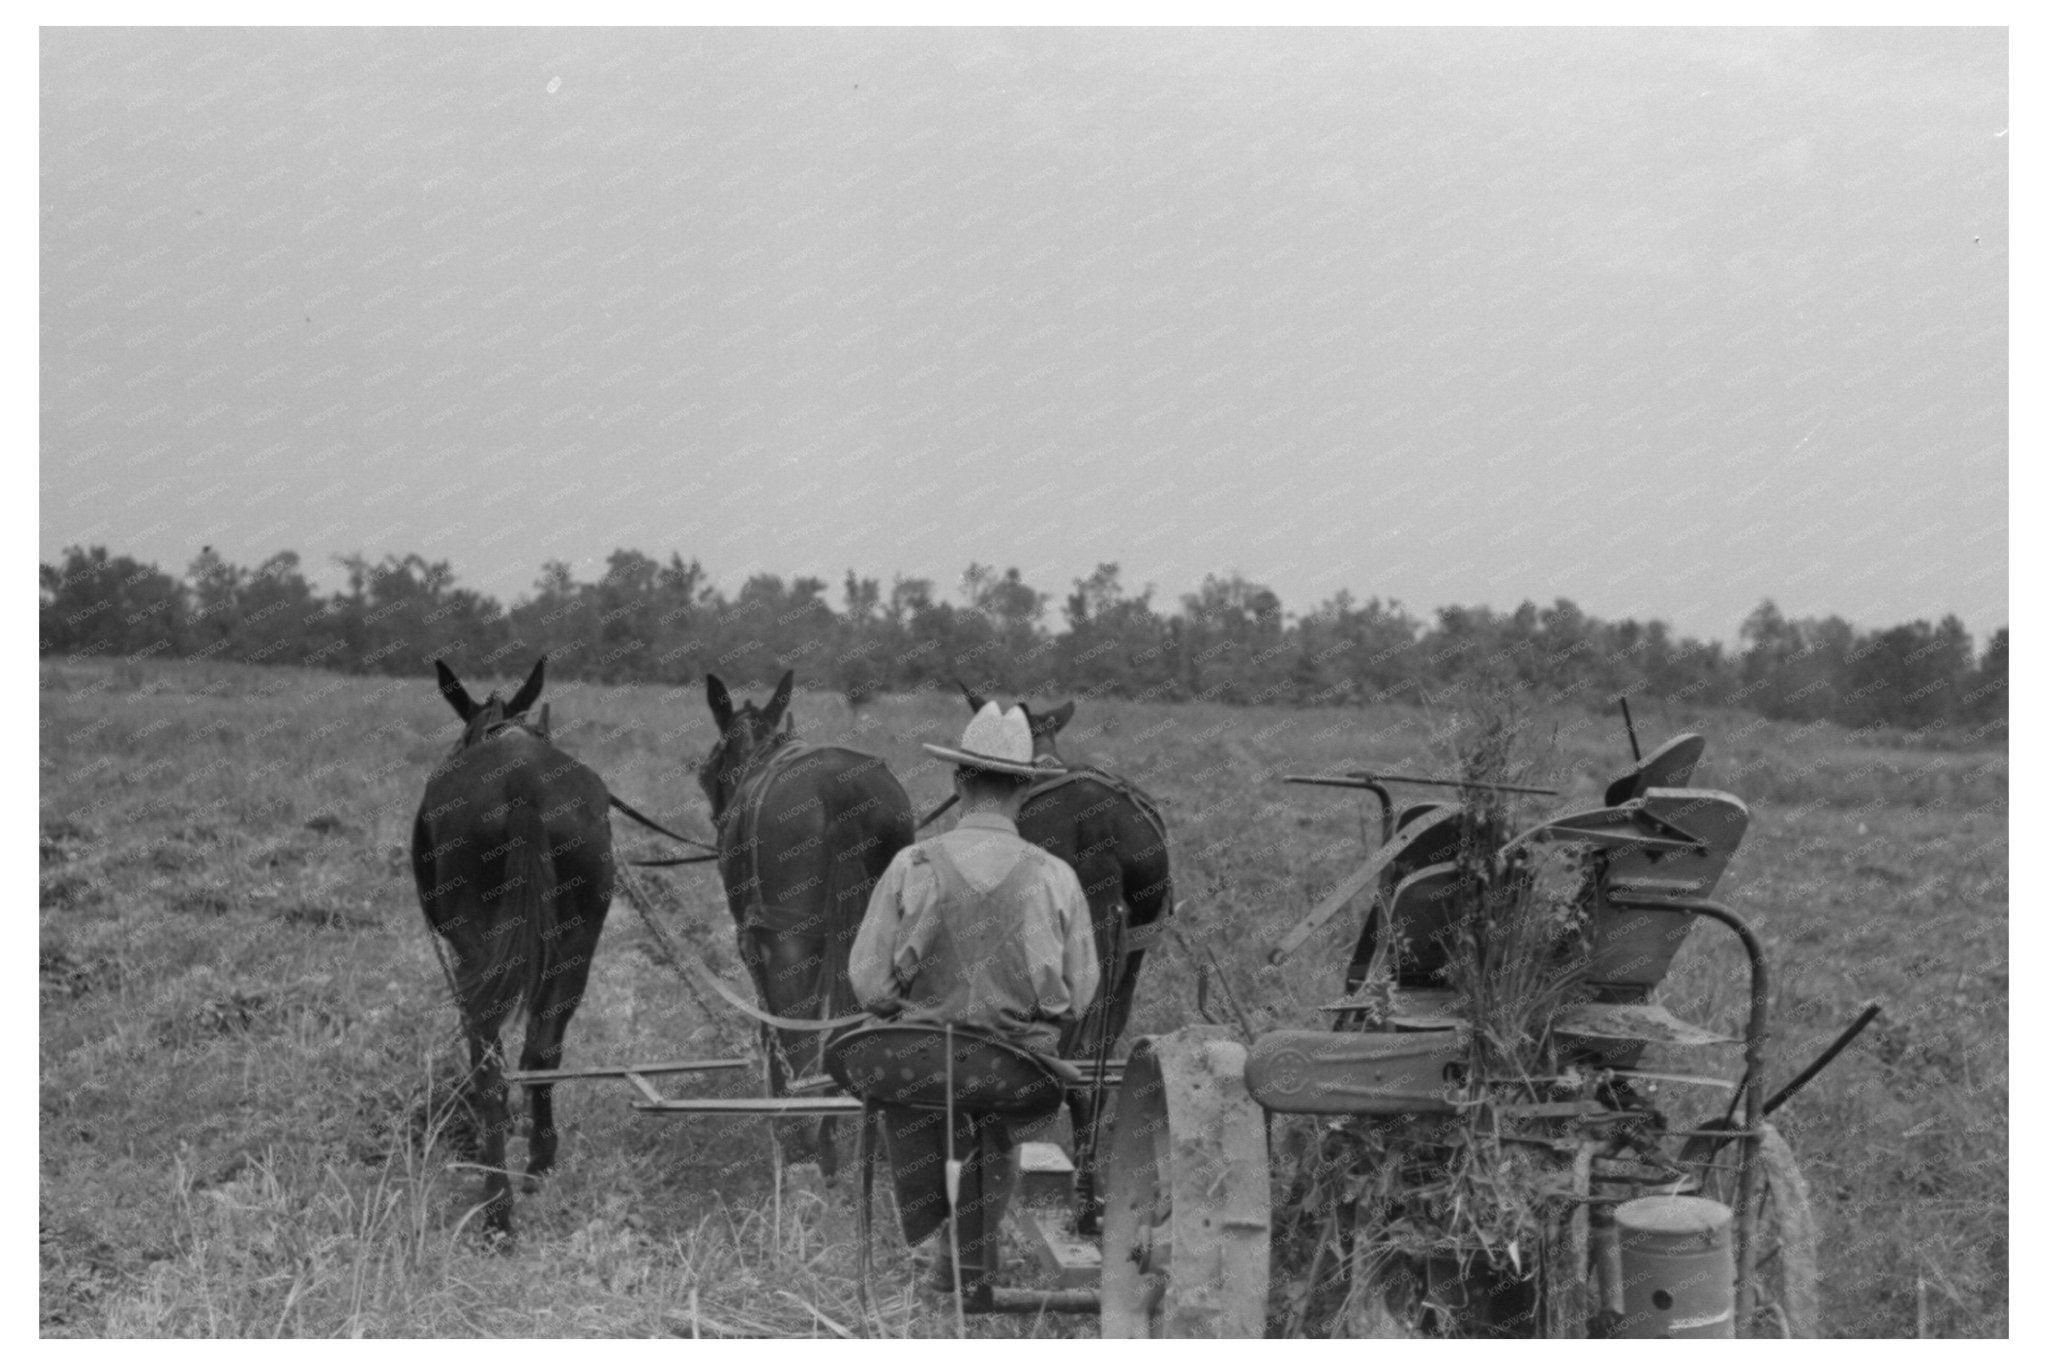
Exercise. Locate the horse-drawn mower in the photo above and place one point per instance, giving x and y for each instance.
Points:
(1485, 1149)
(1480, 1142)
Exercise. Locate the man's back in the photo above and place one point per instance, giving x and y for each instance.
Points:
(979, 928)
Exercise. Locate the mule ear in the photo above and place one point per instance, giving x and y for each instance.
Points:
(529, 691)
(454, 691)
(779, 703)
(1057, 718)
(975, 701)
(721, 702)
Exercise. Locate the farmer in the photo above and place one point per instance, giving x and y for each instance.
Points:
(978, 929)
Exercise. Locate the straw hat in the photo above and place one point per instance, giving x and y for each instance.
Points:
(996, 741)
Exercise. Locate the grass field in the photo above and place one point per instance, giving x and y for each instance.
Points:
(246, 1047)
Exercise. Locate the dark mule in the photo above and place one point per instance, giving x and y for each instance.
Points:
(804, 833)
(512, 850)
(1110, 832)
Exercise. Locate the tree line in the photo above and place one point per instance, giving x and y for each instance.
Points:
(1231, 641)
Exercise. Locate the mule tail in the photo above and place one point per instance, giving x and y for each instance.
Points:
(504, 980)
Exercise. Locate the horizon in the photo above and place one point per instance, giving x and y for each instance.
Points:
(1053, 614)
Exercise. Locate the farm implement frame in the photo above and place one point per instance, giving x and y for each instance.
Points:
(1640, 1227)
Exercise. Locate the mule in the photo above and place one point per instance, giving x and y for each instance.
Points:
(1110, 832)
(804, 833)
(512, 853)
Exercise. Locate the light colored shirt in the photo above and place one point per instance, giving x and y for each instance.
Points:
(978, 927)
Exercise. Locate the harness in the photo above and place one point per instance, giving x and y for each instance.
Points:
(490, 721)
(1125, 940)
(739, 831)
(1115, 781)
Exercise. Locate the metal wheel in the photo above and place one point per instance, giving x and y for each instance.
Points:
(1188, 1224)
(1788, 1246)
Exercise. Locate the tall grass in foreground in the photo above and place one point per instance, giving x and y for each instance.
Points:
(298, 1250)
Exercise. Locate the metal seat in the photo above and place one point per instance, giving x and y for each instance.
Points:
(980, 1082)
(1648, 857)
(1670, 764)
(904, 1066)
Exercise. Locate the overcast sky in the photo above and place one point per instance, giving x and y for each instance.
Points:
(1663, 321)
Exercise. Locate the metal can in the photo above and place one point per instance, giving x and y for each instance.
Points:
(1677, 1267)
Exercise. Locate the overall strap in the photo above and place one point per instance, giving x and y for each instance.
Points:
(965, 920)
(953, 883)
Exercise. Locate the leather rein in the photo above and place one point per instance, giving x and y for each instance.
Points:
(487, 726)
(710, 856)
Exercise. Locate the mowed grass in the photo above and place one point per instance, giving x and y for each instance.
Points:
(247, 1051)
